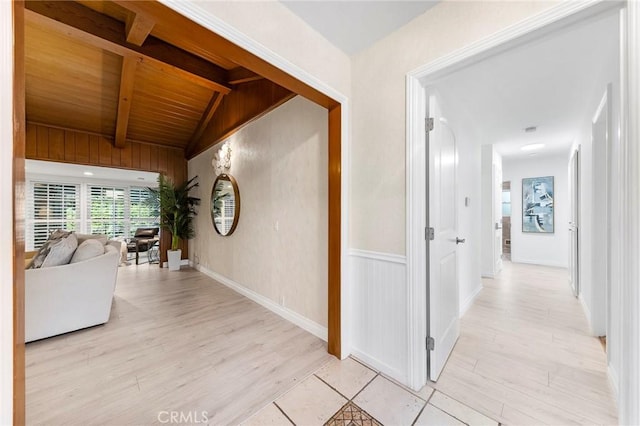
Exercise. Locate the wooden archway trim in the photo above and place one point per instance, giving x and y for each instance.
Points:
(19, 119)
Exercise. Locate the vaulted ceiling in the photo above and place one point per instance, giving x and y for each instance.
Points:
(123, 71)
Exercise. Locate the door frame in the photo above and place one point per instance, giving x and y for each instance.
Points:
(417, 83)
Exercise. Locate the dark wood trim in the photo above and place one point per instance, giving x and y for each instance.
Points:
(241, 75)
(19, 120)
(138, 28)
(127, 84)
(335, 231)
(214, 103)
(181, 31)
(246, 103)
(106, 33)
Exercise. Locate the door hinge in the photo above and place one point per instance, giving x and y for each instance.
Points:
(430, 234)
(430, 343)
(428, 123)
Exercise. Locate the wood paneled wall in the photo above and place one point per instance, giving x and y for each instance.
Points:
(70, 146)
(246, 103)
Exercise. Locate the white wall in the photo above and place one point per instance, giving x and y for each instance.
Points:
(279, 248)
(6, 214)
(539, 249)
(378, 92)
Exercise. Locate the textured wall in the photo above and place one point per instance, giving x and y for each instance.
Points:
(279, 248)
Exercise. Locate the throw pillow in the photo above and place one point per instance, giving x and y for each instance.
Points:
(88, 249)
(84, 237)
(60, 252)
(42, 253)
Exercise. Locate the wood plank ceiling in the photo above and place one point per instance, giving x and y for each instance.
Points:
(103, 68)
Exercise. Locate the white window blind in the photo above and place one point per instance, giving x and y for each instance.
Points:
(51, 206)
(144, 210)
(107, 211)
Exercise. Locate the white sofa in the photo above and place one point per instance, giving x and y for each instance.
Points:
(65, 298)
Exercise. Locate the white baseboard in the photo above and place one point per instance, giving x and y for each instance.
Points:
(539, 263)
(587, 312)
(286, 313)
(466, 304)
(613, 381)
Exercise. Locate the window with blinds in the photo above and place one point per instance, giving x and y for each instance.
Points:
(106, 211)
(113, 210)
(51, 206)
(144, 209)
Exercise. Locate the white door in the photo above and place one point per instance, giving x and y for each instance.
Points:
(574, 191)
(444, 326)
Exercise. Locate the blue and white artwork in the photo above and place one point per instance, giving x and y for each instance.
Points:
(537, 205)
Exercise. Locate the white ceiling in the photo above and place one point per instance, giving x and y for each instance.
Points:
(553, 83)
(355, 25)
(49, 168)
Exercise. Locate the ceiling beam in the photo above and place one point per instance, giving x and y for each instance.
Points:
(214, 103)
(138, 28)
(242, 75)
(246, 103)
(127, 82)
(106, 33)
(179, 30)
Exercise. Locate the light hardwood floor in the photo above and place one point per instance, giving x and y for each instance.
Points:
(525, 356)
(176, 341)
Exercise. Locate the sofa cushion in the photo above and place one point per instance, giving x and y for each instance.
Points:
(43, 252)
(61, 251)
(84, 237)
(88, 249)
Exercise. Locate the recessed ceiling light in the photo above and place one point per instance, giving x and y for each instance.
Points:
(532, 146)
(531, 129)
(533, 154)
(88, 173)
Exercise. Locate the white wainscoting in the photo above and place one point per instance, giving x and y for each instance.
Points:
(286, 313)
(379, 311)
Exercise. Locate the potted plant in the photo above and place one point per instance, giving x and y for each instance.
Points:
(177, 210)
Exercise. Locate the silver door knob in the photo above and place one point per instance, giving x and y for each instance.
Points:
(460, 240)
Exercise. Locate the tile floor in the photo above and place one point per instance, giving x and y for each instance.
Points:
(350, 393)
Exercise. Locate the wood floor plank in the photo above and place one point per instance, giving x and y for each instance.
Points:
(175, 341)
(535, 362)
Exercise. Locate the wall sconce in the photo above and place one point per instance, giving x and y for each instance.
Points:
(222, 159)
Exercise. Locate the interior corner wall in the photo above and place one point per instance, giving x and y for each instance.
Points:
(539, 249)
(279, 248)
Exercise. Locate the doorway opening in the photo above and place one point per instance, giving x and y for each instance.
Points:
(477, 124)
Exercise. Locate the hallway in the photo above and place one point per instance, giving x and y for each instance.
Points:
(525, 355)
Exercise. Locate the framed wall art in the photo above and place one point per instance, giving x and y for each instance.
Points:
(537, 205)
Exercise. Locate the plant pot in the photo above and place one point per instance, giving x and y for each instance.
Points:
(174, 258)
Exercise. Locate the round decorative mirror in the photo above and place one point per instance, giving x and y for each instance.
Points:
(225, 204)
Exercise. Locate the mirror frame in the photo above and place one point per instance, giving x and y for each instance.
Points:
(236, 212)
